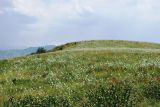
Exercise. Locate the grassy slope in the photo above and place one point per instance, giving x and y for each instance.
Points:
(79, 77)
(101, 44)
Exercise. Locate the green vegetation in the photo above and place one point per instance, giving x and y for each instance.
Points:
(103, 44)
(84, 74)
(40, 50)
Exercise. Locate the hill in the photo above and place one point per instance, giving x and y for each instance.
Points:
(21, 52)
(109, 44)
(90, 73)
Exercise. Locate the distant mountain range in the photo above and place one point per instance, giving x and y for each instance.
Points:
(22, 52)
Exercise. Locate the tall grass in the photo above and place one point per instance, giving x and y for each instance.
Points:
(106, 78)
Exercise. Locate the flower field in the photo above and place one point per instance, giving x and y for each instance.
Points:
(84, 74)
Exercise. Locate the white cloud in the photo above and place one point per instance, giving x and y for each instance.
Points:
(34, 22)
(52, 15)
(54, 11)
(49, 14)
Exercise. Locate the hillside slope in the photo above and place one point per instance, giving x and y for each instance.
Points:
(87, 77)
(101, 44)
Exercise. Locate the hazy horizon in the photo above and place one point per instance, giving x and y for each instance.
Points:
(31, 23)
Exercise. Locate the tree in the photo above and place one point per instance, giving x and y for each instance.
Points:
(40, 50)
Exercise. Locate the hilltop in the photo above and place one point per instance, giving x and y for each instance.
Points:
(87, 73)
(101, 44)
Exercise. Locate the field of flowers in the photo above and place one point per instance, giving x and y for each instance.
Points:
(108, 77)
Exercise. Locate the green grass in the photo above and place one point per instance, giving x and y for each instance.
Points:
(101, 44)
(89, 74)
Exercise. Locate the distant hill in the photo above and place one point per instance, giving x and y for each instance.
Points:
(22, 52)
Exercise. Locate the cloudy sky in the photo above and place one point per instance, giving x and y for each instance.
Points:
(25, 23)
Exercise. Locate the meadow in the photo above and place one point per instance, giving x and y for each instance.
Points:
(84, 74)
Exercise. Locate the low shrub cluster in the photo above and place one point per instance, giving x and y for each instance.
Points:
(119, 95)
(40, 50)
(30, 101)
(152, 90)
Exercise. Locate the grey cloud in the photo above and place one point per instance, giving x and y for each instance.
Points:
(11, 24)
(128, 19)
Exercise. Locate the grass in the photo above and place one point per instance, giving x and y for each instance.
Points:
(89, 74)
(101, 44)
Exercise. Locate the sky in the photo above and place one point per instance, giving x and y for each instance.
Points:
(26, 23)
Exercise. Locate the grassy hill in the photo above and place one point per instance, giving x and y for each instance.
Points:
(109, 44)
(84, 74)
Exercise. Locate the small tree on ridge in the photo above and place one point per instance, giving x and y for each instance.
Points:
(40, 50)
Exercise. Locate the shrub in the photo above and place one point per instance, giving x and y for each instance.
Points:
(41, 50)
(152, 90)
(30, 101)
(119, 95)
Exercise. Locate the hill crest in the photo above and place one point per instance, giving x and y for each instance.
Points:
(107, 44)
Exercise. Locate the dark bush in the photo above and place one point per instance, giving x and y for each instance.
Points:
(30, 101)
(115, 96)
(41, 50)
(152, 90)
